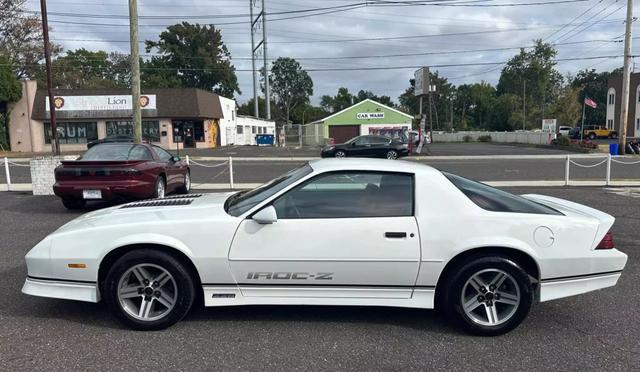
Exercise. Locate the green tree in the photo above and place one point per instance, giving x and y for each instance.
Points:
(568, 108)
(339, 102)
(10, 91)
(247, 108)
(290, 85)
(532, 74)
(82, 68)
(308, 113)
(441, 105)
(595, 86)
(505, 113)
(21, 39)
(191, 55)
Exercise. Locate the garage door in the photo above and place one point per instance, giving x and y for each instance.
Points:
(343, 133)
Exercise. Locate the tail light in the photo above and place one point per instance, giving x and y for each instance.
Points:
(606, 242)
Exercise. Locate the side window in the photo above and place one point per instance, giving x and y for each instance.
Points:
(349, 195)
(162, 154)
(362, 141)
(379, 141)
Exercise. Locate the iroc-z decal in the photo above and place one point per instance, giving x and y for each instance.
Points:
(282, 275)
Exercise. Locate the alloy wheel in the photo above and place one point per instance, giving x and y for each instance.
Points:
(392, 155)
(160, 189)
(187, 182)
(340, 154)
(490, 297)
(147, 292)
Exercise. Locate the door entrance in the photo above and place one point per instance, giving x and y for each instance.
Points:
(343, 133)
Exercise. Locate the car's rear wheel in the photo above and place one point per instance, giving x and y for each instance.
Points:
(488, 296)
(160, 188)
(614, 135)
(340, 154)
(149, 290)
(592, 136)
(187, 183)
(392, 154)
(74, 203)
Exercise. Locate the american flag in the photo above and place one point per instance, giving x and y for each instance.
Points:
(589, 102)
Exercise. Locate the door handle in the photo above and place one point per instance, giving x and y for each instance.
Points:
(395, 235)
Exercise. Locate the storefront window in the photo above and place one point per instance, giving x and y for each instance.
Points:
(72, 132)
(150, 129)
(188, 131)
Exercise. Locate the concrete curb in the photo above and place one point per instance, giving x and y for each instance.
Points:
(244, 186)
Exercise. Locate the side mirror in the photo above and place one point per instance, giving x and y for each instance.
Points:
(353, 144)
(175, 158)
(266, 216)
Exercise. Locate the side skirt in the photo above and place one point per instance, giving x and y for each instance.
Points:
(234, 295)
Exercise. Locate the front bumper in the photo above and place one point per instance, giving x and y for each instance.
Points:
(68, 290)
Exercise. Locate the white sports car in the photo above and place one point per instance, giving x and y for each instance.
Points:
(333, 232)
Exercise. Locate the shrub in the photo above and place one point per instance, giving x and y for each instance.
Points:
(467, 138)
(563, 141)
(484, 138)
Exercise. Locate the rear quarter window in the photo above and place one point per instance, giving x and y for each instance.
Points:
(495, 200)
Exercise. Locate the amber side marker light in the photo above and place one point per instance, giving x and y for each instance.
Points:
(77, 266)
(606, 242)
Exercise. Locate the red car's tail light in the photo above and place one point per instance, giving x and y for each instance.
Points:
(606, 242)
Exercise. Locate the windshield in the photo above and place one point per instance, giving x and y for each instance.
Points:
(241, 202)
(117, 152)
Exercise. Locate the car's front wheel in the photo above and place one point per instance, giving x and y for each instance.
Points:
(489, 296)
(149, 290)
(160, 188)
(187, 183)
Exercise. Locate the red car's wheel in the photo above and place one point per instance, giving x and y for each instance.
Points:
(187, 183)
(160, 188)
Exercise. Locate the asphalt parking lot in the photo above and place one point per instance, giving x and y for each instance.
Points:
(596, 331)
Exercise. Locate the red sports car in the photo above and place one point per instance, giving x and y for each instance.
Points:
(120, 171)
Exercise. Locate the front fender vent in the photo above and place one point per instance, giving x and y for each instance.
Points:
(159, 203)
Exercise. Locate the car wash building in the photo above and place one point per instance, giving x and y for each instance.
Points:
(365, 117)
(171, 118)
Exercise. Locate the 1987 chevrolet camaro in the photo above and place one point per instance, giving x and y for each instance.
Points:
(333, 232)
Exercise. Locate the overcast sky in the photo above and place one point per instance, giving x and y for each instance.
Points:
(310, 37)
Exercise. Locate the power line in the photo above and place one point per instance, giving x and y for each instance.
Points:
(400, 67)
(573, 20)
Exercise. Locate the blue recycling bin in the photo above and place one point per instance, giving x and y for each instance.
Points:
(264, 139)
(613, 148)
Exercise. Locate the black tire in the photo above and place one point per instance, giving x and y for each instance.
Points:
(186, 188)
(156, 194)
(614, 135)
(451, 300)
(392, 155)
(340, 154)
(186, 290)
(73, 204)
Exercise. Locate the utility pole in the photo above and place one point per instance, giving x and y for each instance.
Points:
(626, 76)
(135, 70)
(267, 89)
(524, 103)
(55, 144)
(256, 111)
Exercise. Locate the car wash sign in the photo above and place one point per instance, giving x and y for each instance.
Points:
(369, 115)
(100, 103)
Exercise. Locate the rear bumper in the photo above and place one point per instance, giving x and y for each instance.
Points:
(67, 290)
(565, 287)
(137, 189)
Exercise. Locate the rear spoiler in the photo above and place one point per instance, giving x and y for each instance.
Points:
(93, 163)
(605, 221)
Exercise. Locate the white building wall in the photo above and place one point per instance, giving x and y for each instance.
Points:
(228, 121)
(250, 127)
(611, 108)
